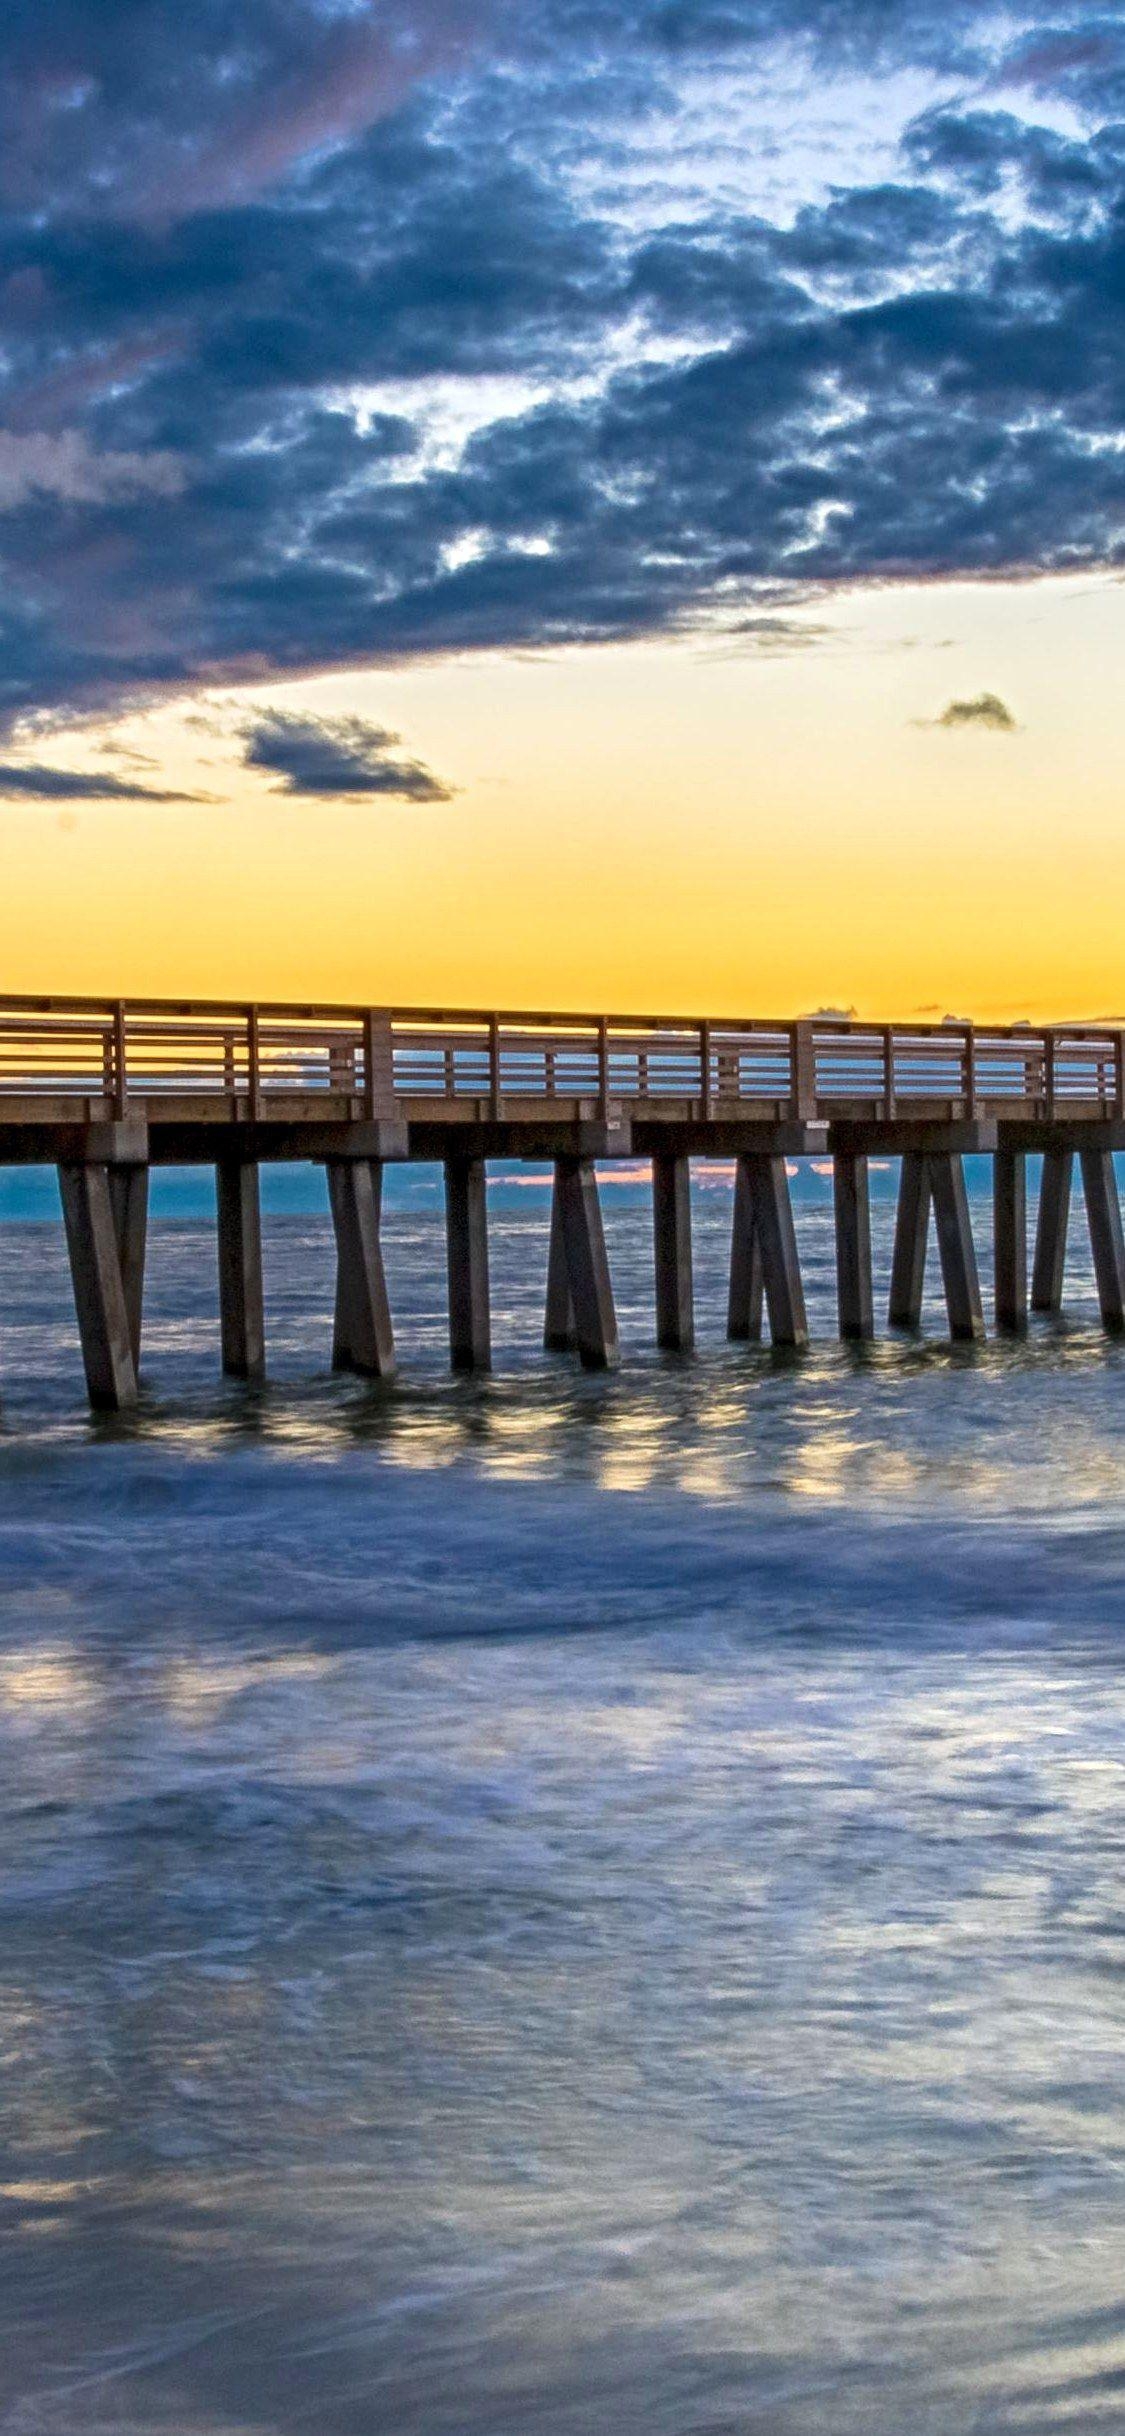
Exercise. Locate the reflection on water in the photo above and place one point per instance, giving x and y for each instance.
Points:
(559, 1903)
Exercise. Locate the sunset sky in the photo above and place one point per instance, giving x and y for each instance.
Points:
(579, 502)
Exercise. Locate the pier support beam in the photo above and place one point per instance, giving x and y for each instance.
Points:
(747, 1293)
(855, 1292)
(363, 1338)
(558, 1327)
(466, 1224)
(671, 1216)
(908, 1262)
(128, 1192)
(241, 1303)
(1103, 1212)
(108, 1320)
(767, 1190)
(956, 1247)
(587, 1264)
(1050, 1231)
(1009, 1237)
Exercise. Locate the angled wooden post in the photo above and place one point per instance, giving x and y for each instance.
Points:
(591, 1289)
(242, 1329)
(104, 1325)
(671, 1215)
(747, 1293)
(768, 1181)
(1009, 1236)
(851, 1195)
(363, 1337)
(466, 1222)
(1103, 1213)
(128, 1190)
(912, 1221)
(955, 1246)
(558, 1326)
(1051, 1228)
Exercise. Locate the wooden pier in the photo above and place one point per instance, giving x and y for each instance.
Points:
(106, 1090)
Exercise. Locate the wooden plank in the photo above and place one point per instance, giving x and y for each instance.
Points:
(363, 1337)
(591, 1288)
(241, 1300)
(671, 1215)
(746, 1298)
(956, 1247)
(854, 1284)
(1009, 1236)
(908, 1262)
(99, 1292)
(1051, 1230)
(1103, 1213)
(466, 1222)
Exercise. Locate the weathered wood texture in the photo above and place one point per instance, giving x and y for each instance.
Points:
(854, 1288)
(767, 1187)
(466, 1224)
(363, 1337)
(1103, 1214)
(956, 1249)
(1009, 1237)
(128, 1189)
(238, 1063)
(908, 1260)
(746, 1298)
(242, 1327)
(104, 1324)
(587, 1264)
(1051, 1230)
(671, 1214)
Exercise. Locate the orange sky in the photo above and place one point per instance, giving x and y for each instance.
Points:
(654, 826)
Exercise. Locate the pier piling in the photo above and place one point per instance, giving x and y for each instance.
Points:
(466, 1222)
(103, 1313)
(956, 1249)
(1009, 1237)
(363, 1337)
(852, 1204)
(587, 1263)
(241, 1301)
(1103, 1214)
(671, 1212)
(746, 1298)
(1051, 1230)
(908, 1260)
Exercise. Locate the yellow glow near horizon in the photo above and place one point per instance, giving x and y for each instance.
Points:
(658, 826)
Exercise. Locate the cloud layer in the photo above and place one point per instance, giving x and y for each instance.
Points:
(376, 332)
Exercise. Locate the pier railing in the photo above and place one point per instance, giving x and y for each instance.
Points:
(113, 1053)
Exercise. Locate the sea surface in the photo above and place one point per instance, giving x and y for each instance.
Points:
(558, 1904)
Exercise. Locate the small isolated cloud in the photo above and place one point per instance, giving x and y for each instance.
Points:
(981, 710)
(347, 758)
(41, 782)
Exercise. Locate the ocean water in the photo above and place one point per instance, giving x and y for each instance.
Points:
(558, 1904)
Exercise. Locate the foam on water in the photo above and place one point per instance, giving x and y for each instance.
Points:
(558, 1903)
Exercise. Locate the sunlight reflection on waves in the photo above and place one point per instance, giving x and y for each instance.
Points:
(559, 1904)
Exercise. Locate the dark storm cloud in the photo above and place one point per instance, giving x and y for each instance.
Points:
(339, 757)
(42, 783)
(231, 296)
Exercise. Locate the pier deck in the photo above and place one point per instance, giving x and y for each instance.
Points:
(104, 1090)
